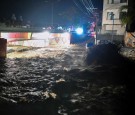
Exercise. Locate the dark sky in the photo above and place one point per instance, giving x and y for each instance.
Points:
(39, 11)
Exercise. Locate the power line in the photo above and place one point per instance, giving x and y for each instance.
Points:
(86, 6)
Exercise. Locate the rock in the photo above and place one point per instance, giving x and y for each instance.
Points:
(104, 54)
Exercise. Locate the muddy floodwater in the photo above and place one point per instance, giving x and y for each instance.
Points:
(59, 81)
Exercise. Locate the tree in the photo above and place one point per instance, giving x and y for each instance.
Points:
(128, 19)
(127, 16)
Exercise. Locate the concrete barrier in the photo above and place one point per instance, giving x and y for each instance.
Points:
(3, 48)
(42, 39)
(106, 38)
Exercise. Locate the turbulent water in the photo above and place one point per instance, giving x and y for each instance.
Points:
(59, 82)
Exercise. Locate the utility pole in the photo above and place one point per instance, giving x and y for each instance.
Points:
(96, 30)
(52, 12)
(96, 23)
(51, 3)
(113, 29)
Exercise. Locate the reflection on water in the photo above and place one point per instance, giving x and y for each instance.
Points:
(61, 85)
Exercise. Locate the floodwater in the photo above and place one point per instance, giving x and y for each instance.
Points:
(58, 81)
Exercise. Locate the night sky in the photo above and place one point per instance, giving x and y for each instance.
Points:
(39, 11)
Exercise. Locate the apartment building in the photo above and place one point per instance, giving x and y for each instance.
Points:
(111, 17)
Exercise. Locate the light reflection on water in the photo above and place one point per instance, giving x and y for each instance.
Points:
(63, 78)
(23, 76)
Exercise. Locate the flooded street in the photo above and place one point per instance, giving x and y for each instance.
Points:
(58, 81)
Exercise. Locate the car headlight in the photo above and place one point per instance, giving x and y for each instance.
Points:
(79, 31)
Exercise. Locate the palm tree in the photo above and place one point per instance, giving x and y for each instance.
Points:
(127, 16)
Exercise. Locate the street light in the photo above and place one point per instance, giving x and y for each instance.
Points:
(112, 18)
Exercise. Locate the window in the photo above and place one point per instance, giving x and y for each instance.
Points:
(123, 1)
(110, 1)
(110, 15)
(109, 32)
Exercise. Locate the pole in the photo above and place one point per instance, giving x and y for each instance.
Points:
(96, 32)
(52, 12)
(112, 30)
(112, 26)
(96, 26)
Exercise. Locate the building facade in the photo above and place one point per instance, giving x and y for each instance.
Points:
(111, 23)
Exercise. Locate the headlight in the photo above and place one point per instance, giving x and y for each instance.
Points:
(79, 31)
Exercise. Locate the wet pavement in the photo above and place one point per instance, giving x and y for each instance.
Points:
(58, 81)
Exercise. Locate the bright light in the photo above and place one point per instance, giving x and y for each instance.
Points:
(79, 31)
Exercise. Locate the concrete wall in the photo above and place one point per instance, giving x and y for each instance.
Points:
(37, 39)
(104, 38)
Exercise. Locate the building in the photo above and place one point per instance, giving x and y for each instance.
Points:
(111, 23)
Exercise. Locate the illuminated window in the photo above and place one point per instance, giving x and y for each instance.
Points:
(123, 1)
